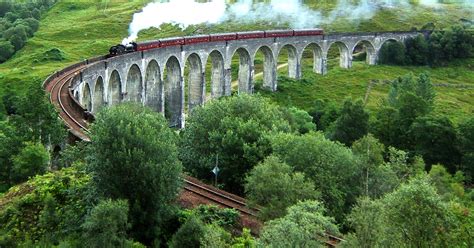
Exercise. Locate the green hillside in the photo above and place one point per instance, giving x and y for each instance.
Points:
(98, 24)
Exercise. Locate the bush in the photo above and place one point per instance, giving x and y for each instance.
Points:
(392, 53)
(189, 235)
(107, 224)
(32, 160)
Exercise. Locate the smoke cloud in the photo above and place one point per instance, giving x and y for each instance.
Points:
(292, 12)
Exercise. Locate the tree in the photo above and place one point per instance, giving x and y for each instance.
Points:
(107, 224)
(352, 124)
(331, 166)
(392, 53)
(407, 210)
(36, 118)
(417, 50)
(366, 222)
(32, 160)
(398, 162)
(274, 186)
(305, 225)
(6, 50)
(324, 114)
(435, 139)
(370, 152)
(299, 119)
(399, 219)
(215, 237)
(234, 129)
(17, 36)
(132, 156)
(245, 240)
(425, 89)
(448, 186)
(466, 145)
(10, 144)
(385, 127)
(189, 234)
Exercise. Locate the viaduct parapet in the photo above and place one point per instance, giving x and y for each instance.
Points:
(172, 80)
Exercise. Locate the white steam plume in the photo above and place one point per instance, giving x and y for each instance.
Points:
(293, 12)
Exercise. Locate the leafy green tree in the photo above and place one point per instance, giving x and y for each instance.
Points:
(107, 224)
(370, 152)
(10, 144)
(385, 126)
(189, 234)
(245, 240)
(366, 222)
(5, 7)
(332, 167)
(17, 36)
(352, 124)
(235, 130)
(299, 119)
(425, 89)
(399, 219)
(36, 118)
(466, 145)
(409, 208)
(324, 114)
(446, 45)
(6, 50)
(32, 160)
(215, 237)
(132, 156)
(305, 225)
(274, 186)
(435, 139)
(398, 162)
(448, 186)
(392, 53)
(417, 50)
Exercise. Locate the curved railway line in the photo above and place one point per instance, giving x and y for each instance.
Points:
(194, 192)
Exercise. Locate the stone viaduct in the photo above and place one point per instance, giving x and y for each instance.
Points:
(171, 80)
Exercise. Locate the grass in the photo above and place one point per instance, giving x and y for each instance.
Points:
(339, 84)
(75, 30)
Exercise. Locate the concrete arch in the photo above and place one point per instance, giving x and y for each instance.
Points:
(217, 74)
(269, 68)
(194, 81)
(371, 57)
(174, 100)
(319, 61)
(294, 69)
(153, 87)
(114, 89)
(345, 58)
(245, 70)
(134, 85)
(98, 95)
(86, 97)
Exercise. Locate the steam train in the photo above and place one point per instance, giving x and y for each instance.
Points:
(134, 47)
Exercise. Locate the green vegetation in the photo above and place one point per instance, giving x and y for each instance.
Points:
(273, 186)
(133, 156)
(18, 22)
(305, 225)
(374, 169)
(30, 126)
(232, 130)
